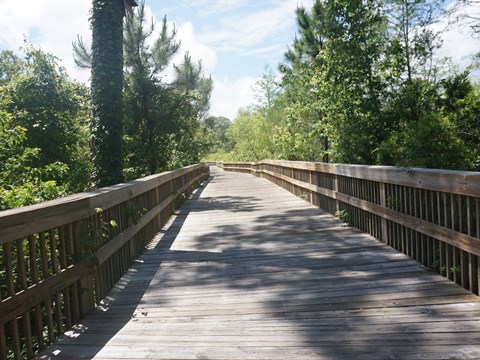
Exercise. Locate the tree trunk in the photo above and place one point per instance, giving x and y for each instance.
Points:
(107, 84)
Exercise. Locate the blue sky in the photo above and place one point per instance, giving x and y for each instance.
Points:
(235, 39)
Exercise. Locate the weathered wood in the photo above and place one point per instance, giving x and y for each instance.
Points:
(424, 213)
(22, 222)
(246, 270)
(459, 240)
(461, 182)
(77, 248)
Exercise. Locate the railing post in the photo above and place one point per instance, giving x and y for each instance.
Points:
(3, 342)
(310, 181)
(157, 201)
(335, 188)
(383, 202)
(131, 246)
(86, 295)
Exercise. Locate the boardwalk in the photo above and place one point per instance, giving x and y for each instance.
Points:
(248, 271)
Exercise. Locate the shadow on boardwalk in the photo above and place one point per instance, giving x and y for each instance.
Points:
(248, 271)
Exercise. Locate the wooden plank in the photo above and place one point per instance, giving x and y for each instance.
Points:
(221, 352)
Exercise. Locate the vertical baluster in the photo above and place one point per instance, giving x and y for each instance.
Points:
(463, 270)
(55, 269)
(71, 260)
(452, 212)
(335, 189)
(430, 251)
(7, 260)
(418, 214)
(22, 279)
(3, 342)
(38, 318)
(477, 227)
(454, 264)
(10, 285)
(63, 256)
(441, 261)
(447, 260)
(45, 274)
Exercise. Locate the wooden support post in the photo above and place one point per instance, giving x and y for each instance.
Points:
(86, 284)
(3, 342)
(335, 188)
(383, 202)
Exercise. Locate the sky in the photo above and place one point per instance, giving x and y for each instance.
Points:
(235, 39)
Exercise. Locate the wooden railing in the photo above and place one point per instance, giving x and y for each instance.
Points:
(60, 258)
(431, 215)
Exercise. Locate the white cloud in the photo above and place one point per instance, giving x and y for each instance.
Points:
(459, 43)
(215, 7)
(195, 47)
(229, 96)
(241, 33)
(51, 24)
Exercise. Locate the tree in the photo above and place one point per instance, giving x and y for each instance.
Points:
(305, 135)
(444, 133)
(22, 182)
(106, 21)
(266, 90)
(10, 66)
(361, 75)
(251, 136)
(336, 82)
(163, 118)
(148, 100)
(460, 103)
(412, 38)
(352, 79)
(47, 104)
(51, 108)
(313, 33)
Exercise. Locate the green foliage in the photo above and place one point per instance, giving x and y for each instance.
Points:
(343, 215)
(361, 85)
(461, 104)
(21, 181)
(161, 119)
(432, 126)
(266, 90)
(10, 66)
(52, 109)
(43, 130)
(214, 134)
(162, 123)
(252, 136)
(429, 142)
(413, 38)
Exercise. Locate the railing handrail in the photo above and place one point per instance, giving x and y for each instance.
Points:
(452, 181)
(20, 222)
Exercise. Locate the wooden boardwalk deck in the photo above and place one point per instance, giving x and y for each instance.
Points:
(248, 271)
